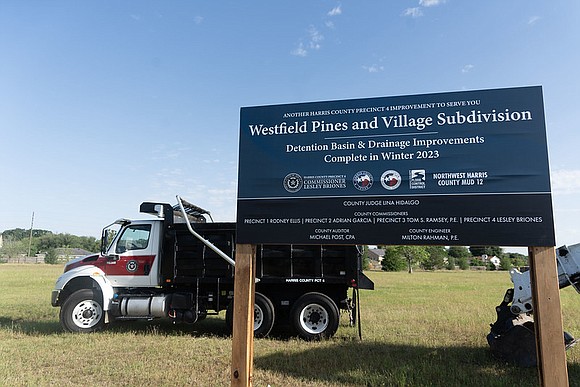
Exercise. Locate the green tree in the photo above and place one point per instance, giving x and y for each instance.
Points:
(518, 259)
(435, 258)
(365, 257)
(462, 263)
(93, 244)
(505, 262)
(494, 251)
(458, 252)
(49, 241)
(477, 251)
(450, 263)
(51, 257)
(16, 242)
(413, 255)
(18, 234)
(393, 260)
(12, 248)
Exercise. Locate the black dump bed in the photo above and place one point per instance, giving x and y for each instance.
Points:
(186, 260)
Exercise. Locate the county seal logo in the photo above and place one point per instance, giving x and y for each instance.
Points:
(362, 180)
(391, 179)
(293, 182)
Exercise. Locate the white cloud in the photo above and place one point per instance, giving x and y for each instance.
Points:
(374, 68)
(198, 20)
(335, 11)
(532, 20)
(300, 50)
(566, 181)
(315, 38)
(413, 12)
(430, 3)
(418, 11)
(314, 43)
(467, 68)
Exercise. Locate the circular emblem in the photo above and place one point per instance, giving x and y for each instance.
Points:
(391, 179)
(362, 180)
(293, 182)
(132, 266)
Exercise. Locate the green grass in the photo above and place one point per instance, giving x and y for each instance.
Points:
(420, 329)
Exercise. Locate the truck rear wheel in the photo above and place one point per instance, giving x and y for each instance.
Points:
(82, 312)
(315, 316)
(263, 315)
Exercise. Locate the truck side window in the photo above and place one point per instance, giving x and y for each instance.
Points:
(135, 237)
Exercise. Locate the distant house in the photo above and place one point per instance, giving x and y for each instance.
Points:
(495, 260)
(376, 256)
(484, 261)
(67, 254)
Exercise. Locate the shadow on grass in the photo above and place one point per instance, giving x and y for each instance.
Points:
(377, 364)
(209, 326)
(343, 362)
(35, 328)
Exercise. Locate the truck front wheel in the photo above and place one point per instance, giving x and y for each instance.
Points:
(315, 316)
(263, 315)
(82, 312)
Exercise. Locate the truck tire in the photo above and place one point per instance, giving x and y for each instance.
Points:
(264, 315)
(315, 316)
(82, 312)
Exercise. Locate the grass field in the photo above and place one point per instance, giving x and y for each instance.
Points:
(420, 329)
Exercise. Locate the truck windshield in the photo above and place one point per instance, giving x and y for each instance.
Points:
(134, 237)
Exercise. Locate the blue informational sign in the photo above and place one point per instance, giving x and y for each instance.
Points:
(460, 168)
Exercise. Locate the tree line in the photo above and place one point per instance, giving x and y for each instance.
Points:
(18, 241)
(399, 258)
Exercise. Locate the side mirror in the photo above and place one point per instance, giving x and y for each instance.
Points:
(107, 238)
(104, 244)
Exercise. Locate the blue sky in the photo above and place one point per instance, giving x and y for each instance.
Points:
(107, 104)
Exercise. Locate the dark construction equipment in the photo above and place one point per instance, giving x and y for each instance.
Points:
(512, 337)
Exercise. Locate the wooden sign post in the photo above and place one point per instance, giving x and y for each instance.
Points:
(243, 329)
(551, 353)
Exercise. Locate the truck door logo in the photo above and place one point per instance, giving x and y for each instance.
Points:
(132, 266)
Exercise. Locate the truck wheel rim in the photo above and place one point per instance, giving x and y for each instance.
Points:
(87, 314)
(314, 318)
(258, 317)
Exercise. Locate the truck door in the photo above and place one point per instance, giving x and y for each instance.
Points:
(134, 259)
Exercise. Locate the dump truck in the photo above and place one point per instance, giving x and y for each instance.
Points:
(512, 336)
(179, 265)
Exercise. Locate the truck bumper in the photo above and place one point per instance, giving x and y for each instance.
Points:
(54, 299)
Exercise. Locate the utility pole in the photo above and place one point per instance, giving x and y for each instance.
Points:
(30, 239)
